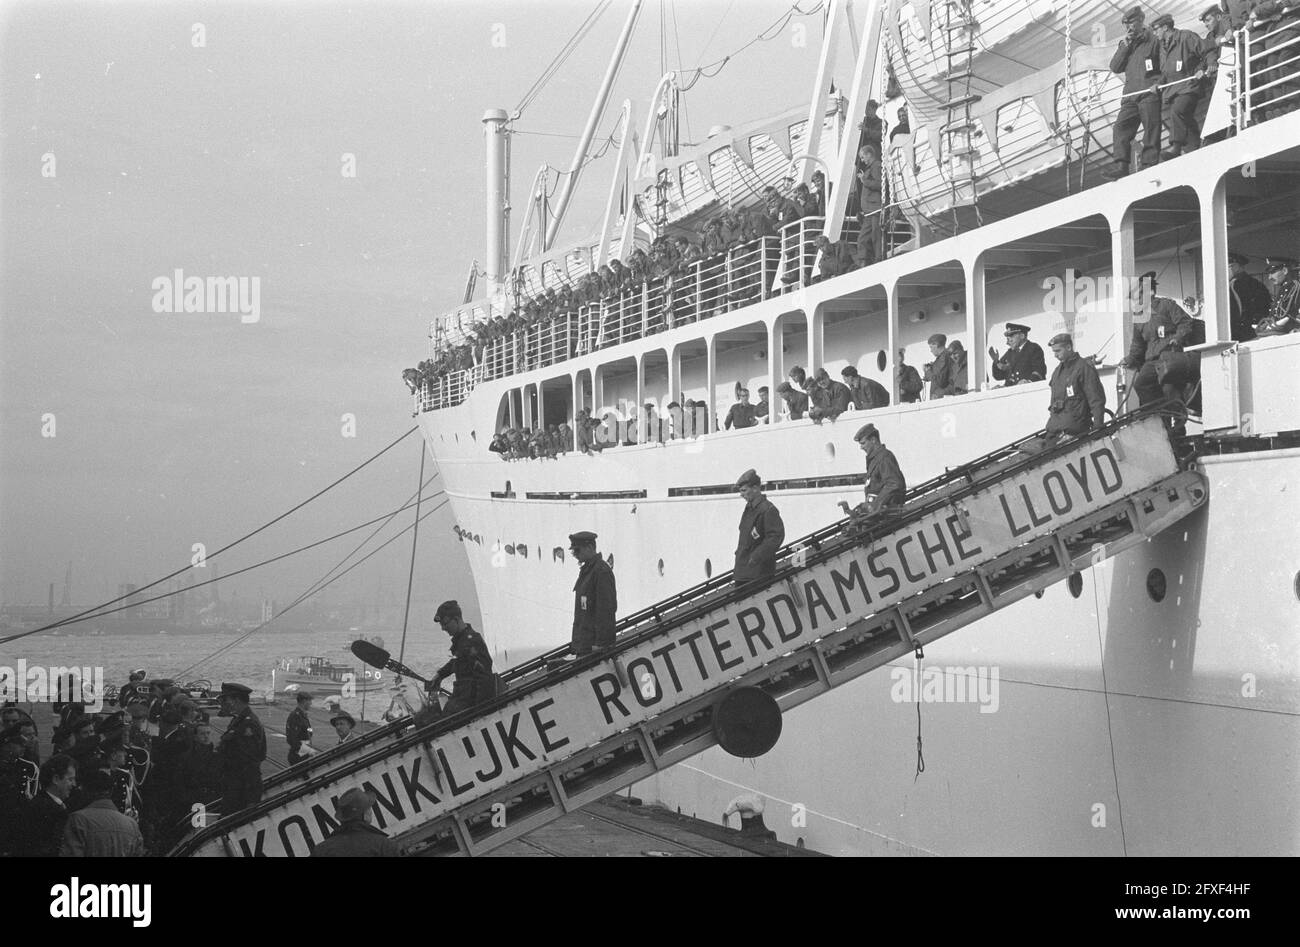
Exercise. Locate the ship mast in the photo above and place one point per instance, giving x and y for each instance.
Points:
(597, 112)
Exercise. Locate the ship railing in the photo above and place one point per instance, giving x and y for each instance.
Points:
(1270, 58)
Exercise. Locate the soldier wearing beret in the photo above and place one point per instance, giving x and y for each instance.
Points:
(829, 398)
(355, 837)
(470, 662)
(1248, 298)
(761, 532)
(884, 486)
(1167, 328)
(595, 597)
(1181, 71)
(865, 393)
(1078, 398)
(241, 751)
(1137, 59)
(1284, 314)
(298, 729)
(1023, 362)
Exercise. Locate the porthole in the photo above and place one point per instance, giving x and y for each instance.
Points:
(1156, 585)
(1038, 594)
(708, 568)
(830, 451)
(881, 360)
(1075, 584)
(661, 570)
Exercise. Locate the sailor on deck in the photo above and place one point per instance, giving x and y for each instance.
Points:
(241, 751)
(470, 663)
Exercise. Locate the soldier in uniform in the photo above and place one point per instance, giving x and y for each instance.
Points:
(829, 398)
(1278, 21)
(1248, 298)
(355, 837)
(796, 402)
(741, 414)
(884, 486)
(138, 732)
(761, 532)
(1078, 398)
(595, 597)
(941, 373)
(910, 383)
(297, 729)
(48, 812)
(763, 409)
(1284, 313)
(865, 393)
(470, 663)
(1023, 362)
(1138, 60)
(345, 725)
(241, 751)
(1167, 328)
(1181, 56)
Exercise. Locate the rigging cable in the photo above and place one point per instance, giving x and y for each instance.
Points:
(249, 535)
(415, 538)
(562, 56)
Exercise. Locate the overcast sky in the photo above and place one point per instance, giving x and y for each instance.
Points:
(130, 152)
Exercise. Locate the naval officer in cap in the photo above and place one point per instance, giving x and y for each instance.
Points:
(1249, 299)
(1078, 398)
(1284, 314)
(595, 597)
(298, 730)
(761, 532)
(470, 664)
(1024, 360)
(241, 751)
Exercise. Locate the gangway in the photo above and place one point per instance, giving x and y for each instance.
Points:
(844, 601)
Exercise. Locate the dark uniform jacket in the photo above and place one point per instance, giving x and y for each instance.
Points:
(43, 824)
(1138, 61)
(242, 749)
(1021, 365)
(199, 778)
(910, 384)
(761, 535)
(1168, 328)
(357, 839)
(884, 484)
(831, 400)
(1250, 302)
(867, 394)
(297, 731)
(1078, 398)
(470, 663)
(740, 415)
(942, 375)
(1284, 313)
(796, 402)
(1180, 58)
(595, 603)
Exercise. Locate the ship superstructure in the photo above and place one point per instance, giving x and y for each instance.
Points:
(1147, 706)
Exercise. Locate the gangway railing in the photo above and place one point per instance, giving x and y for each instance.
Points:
(843, 602)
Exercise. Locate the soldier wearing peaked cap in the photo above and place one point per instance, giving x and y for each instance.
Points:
(241, 751)
(1023, 361)
(761, 532)
(1284, 313)
(595, 597)
(470, 663)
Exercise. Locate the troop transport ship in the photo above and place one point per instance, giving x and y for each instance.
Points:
(1148, 706)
